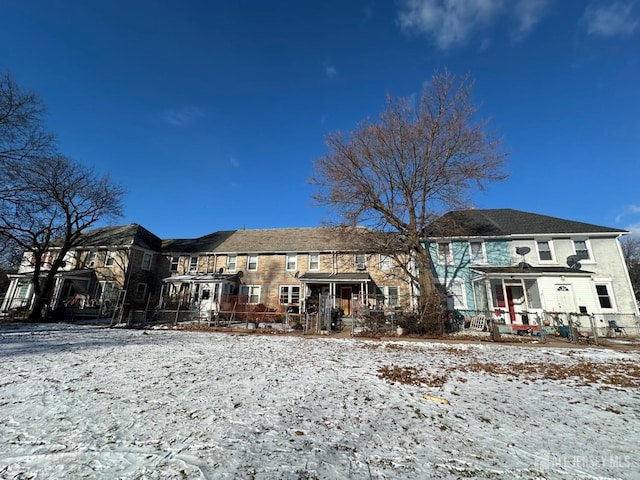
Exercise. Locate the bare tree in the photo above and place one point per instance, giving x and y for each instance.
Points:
(631, 252)
(398, 174)
(55, 200)
(22, 130)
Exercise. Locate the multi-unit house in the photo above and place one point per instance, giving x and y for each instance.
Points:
(282, 269)
(517, 264)
(110, 263)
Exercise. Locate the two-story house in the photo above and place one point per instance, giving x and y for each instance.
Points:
(280, 269)
(517, 263)
(110, 264)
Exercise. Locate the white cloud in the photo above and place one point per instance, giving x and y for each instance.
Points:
(528, 13)
(452, 23)
(234, 162)
(611, 20)
(330, 71)
(629, 210)
(634, 228)
(181, 117)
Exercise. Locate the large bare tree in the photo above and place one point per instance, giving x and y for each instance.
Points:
(421, 158)
(46, 199)
(631, 252)
(55, 200)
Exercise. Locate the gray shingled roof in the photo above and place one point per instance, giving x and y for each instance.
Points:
(123, 235)
(282, 240)
(505, 221)
(207, 243)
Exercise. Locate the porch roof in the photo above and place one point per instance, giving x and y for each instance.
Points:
(531, 271)
(350, 277)
(202, 278)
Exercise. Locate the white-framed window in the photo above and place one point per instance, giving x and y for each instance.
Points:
(289, 294)
(445, 255)
(251, 293)
(232, 262)
(252, 262)
(385, 263)
(106, 291)
(193, 264)
(605, 295)
(477, 252)
(456, 295)
(141, 289)
(391, 296)
(581, 248)
(91, 258)
(291, 262)
(110, 258)
(23, 290)
(146, 261)
(360, 260)
(173, 264)
(545, 250)
(314, 262)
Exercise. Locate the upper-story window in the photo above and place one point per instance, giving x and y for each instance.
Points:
(91, 258)
(252, 262)
(314, 261)
(146, 261)
(291, 262)
(232, 262)
(445, 255)
(545, 254)
(110, 258)
(385, 263)
(173, 264)
(476, 252)
(582, 249)
(193, 264)
(361, 261)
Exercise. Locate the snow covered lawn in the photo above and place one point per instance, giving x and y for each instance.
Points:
(88, 402)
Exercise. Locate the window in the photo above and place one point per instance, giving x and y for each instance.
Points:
(91, 259)
(385, 263)
(193, 264)
(23, 290)
(289, 294)
(604, 297)
(173, 264)
(392, 296)
(141, 289)
(456, 295)
(291, 262)
(105, 291)
(476, 251)
(314, 261)
(110, 258)
(252, 263)
(232, 261)
(146, 261)
(445, 257)
(251, 292)
(360, 261)
(544, 251)
(582, 249)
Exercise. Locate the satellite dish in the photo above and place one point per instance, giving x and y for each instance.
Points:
(522, 250)
(221, 271)
(523, 265)
(297, 274)
(240, 274)
(574, 261)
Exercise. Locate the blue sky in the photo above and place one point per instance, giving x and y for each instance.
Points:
(211, 113)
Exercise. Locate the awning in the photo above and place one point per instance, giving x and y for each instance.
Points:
(334, 277)
(203, 278)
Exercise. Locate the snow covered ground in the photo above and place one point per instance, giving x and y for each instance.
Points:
(88, 402)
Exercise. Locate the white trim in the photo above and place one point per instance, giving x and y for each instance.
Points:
(232, 266)
(317, 267)
(291, 258)
(249, 257)
(591, 258)
(549, 242)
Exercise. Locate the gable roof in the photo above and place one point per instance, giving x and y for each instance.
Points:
(119, 236)
(206, 243)
(505, 222)
(283, 240)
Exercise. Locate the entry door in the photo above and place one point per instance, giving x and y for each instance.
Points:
(515, 300)
(566, 302)
(345, 296)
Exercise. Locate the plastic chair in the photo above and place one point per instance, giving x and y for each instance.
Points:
(614, 328)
